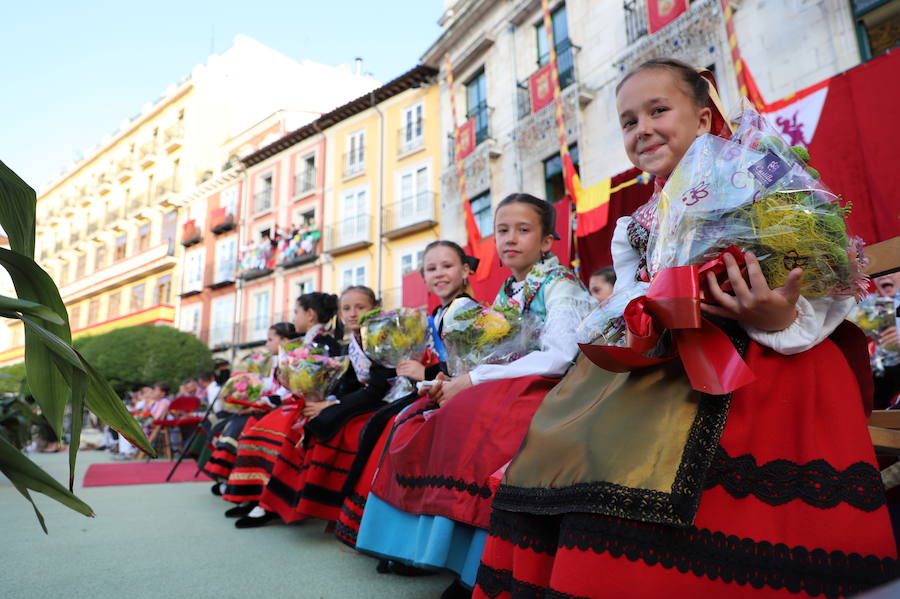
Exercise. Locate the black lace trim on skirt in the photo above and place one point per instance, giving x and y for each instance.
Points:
(714, 555)
(816, 483)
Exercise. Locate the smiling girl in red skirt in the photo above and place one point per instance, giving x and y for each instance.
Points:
(634, 485)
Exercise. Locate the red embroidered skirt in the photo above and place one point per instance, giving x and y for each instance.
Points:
(355, 503)
(225, 447)
(309, 482)
(259, 449)
(440, 460)
(792, 504)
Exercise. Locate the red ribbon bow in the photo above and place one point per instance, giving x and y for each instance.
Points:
(710, 360)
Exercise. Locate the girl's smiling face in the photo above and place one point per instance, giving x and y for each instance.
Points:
(519, 237)
(353, 305)
(659, 120)
(444, 273)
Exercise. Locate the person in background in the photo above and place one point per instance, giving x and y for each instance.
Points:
(602, 282)
(887, 382)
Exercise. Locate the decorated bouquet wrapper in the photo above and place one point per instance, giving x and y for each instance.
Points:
(606, 324)
(243, 387)
(874, 315)
(391, 336)
(754, 192)
(259, 362)
(476, 334)
(309, 371)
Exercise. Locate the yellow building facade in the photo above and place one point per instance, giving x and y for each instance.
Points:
(106, 230)
(381, 205)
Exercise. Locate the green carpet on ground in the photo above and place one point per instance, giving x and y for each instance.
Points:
(173, 541)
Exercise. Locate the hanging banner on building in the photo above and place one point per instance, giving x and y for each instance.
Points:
(662, 12)
(541, 87)
(463, 145)
(797, 116)
(466, 136)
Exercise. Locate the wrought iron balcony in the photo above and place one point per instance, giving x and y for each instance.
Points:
(125, 169)
(262, 200)
(348, 235)
(304, 182)
(354, 163)
(222, 221)
(411, 137)
(173, 136)
(149, 153)
(410, 214)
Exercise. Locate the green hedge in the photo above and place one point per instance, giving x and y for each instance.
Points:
(135, 356)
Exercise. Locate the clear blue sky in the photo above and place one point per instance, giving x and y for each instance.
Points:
(72, 71)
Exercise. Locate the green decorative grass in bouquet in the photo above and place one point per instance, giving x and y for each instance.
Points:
(242, 390)
(309, 371)
(391, 336)
(874, 315)
(259, 361)
(476, 334)
(755, 192)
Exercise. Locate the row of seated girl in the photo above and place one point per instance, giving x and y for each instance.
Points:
(551, 477)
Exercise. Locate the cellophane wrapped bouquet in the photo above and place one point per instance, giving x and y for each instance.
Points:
(874, 315)
(754, 192)
(241, 390)
(308, 371)
(259, 362)
(391, 336)
(476, 334)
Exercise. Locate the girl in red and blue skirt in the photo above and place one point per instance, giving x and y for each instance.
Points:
(308, 481)
(634, 485)
(446, 269)
(430, 500)
(268, 438)
(231, 424)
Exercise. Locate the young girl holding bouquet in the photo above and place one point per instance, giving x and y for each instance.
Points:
(635, 485)
(446, 269)
(430, 499)
(233, 418)
(308, 482)
(273, 434)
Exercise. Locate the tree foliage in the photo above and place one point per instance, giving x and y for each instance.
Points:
(131, 357)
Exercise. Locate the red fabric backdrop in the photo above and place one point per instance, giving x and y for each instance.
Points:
(855, 145)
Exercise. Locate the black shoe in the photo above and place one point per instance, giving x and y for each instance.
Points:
(457, 590)
(248, 522)
(404, 570)
(239, 510)
(383, 567)
(217, 489)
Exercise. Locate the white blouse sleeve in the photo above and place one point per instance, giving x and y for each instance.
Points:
(567, 305)
(817, 317)
(625, 258)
